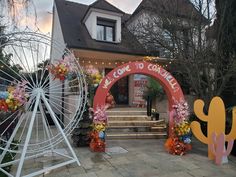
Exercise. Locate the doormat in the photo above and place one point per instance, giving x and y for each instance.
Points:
(115, 150)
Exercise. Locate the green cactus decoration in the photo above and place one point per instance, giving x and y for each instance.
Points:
(216, 120)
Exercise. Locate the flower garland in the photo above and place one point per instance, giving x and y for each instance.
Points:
(97, 136)
(14, 98)
(179, 143)
(63, 69)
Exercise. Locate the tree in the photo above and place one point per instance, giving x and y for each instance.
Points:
(153, 90)
(8, 71)
(177, 28)
(12, 11)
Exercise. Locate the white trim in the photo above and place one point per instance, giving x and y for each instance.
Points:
(101, 11)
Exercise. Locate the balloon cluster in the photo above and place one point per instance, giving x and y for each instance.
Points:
(97, 136)
(62, 69)
(14, 98)
(180, 141)
(110, 101)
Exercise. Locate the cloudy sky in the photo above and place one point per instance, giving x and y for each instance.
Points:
(44, 9)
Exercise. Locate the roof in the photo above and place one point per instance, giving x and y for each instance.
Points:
(104, 5)
(181, 8)
(77, 36)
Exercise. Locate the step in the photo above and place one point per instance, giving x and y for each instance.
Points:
(159, 128)
(128, 129)
(126, 112)
(128, 117)
(139, 135)
(135, 123)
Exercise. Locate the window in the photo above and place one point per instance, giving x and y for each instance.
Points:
(106, 30)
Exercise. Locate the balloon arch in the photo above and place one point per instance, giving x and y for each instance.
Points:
(172, 88)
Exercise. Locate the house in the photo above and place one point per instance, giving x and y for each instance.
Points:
(102, 36)
(97, 35)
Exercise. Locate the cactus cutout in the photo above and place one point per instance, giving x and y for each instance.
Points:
(216, 120)
(218, 148)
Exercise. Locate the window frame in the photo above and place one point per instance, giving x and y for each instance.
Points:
(107, 23)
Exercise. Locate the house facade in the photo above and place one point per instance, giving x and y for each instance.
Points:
(98, 38)
(101, 36)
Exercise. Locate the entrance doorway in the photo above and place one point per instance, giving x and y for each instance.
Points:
(120, 90)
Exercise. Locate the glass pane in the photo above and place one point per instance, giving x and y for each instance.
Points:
(100, 32)
(109, 34)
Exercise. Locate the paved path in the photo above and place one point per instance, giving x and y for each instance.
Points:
(145, 158)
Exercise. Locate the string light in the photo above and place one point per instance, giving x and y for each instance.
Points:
(89, 62)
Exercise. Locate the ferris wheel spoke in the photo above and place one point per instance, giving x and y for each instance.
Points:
(26, 115)
(52, 98)
(10, 76)
(55, 105)
(45, 123)
(9, 142)
(44, 69)
(7, 80)
(13, 71)
(26, 60)
(23, 65)
(37, 62)
(8, 118)
(59, 128)
(56, 84)
(45, 83)
(59, 86)
(9, 125)
(27, 139)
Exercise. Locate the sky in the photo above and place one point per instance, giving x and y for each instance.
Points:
(44, 11)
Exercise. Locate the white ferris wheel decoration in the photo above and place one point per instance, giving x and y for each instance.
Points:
(42, 98)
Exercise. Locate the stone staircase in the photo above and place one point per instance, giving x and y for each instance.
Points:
(133, 123)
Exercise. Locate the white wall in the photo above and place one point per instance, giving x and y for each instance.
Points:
(91, 22)
(58, 43)
(57, 48)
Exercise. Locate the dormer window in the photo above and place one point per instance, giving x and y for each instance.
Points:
(106, 30)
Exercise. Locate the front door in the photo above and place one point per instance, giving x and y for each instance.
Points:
(120, 90)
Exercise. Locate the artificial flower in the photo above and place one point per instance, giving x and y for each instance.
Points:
(4, 95)
(62, 68)
(3, 105)
(100, 127)
(100, 115)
